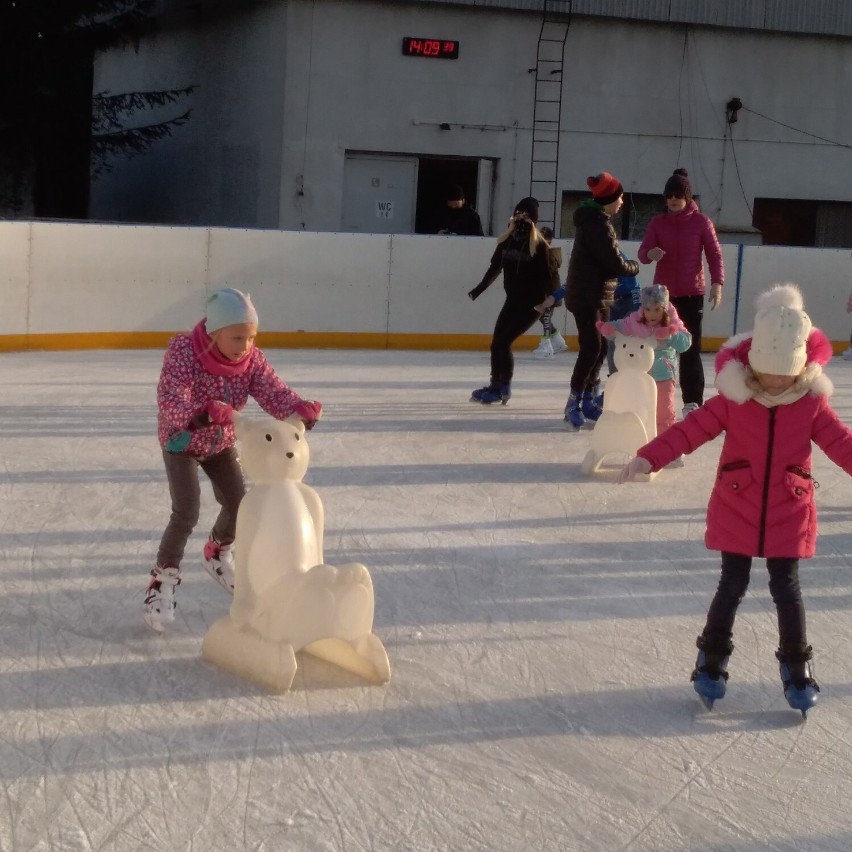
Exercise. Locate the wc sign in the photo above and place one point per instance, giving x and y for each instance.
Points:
(384, 209)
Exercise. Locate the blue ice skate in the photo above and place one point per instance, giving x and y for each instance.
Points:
(492, 393)
(800, 688)
(574, 416)
(710, 677)
(710, 685)
(591, 403)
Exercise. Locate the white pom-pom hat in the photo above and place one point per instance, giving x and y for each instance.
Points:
(781, 329)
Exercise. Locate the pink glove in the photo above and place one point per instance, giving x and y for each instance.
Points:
(220, 413)
(664, 332)
(607, 329)
(310, 411)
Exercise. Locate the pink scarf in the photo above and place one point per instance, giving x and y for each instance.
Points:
(212, 359)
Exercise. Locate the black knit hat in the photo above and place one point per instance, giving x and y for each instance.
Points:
(528, 205)
(455, 193)
(679, 185)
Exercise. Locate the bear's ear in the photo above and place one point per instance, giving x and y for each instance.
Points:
(295, 420)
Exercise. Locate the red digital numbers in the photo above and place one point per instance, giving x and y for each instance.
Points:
(433, 47)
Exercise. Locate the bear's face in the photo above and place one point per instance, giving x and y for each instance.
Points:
(272, 450)
(634, 353)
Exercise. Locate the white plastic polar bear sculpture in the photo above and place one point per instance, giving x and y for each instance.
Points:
(629, 417)
(285, 598)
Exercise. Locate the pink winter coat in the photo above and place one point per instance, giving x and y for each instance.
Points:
(683, 236)
(186, 387)
(762, 503)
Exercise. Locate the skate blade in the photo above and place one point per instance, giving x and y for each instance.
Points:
(154, 624)
(707, 702)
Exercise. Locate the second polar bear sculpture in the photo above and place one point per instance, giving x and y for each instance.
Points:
(286, 599)
(629, 417)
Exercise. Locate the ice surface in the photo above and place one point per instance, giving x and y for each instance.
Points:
(540, 625)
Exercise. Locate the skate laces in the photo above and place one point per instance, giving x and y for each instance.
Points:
(214, 550)
(161, 589)
(168, 576)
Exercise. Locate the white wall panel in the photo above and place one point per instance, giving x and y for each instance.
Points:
(14, 277)
(115, 278)
(824, 275)
(306, 281)
(430, 280)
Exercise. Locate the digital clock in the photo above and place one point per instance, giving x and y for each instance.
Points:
(437, 48)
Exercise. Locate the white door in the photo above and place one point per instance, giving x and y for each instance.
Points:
(379, 194)
(485, 196)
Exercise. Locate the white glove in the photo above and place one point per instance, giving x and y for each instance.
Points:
(715, 297)
(656, 253)
(637, 466)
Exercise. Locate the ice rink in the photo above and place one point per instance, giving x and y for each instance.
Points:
(540, 627)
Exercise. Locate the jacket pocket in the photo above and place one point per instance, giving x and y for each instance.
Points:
(799, 483)
(734, 478)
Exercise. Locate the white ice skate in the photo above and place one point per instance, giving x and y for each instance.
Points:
(557, 342)
(219, 563)
(160, 598)
(545, 349)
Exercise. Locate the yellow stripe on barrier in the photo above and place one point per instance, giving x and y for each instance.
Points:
(298, 340)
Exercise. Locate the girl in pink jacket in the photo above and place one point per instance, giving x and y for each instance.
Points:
(773, 402)
(207, 375)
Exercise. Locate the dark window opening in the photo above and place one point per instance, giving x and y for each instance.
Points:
(630, 223)
(796, 222)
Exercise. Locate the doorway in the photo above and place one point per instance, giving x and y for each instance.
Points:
(435, 176)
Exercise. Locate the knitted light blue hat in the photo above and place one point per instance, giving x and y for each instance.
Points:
(654, 296)
(229, 307)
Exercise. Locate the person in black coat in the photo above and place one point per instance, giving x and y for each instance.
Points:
(458, 217)
(522, 256)
(593, 271)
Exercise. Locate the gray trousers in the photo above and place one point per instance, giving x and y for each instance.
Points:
(225, 474)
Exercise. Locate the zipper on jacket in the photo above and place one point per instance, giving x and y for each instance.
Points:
(761, 541)
(220, 431)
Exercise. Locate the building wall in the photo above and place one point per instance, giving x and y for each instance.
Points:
(286, 88)
(224, 166)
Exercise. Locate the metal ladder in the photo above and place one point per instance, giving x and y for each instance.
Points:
(547, 111)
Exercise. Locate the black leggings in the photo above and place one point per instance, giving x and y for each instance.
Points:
(593, 346)
(783, 586)
(513, 320)
(691, 311)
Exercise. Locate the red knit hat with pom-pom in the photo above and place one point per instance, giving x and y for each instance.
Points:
(605, 188)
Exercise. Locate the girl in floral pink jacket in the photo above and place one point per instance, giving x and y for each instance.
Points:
(207, 375)
(773, 402)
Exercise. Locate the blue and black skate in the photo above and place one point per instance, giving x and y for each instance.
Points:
(501, 393)
(710, 677)
(800, 688)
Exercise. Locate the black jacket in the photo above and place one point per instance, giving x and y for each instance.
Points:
(595, 262)
(463, 221)
(526, 279)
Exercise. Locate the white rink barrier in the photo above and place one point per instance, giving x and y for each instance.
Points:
(86, 285)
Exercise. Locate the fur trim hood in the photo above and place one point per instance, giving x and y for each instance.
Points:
(733, 370)
(632, 325)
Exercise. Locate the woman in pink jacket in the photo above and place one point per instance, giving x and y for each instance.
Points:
(207, 375)
(676, 240)
(773, 402)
